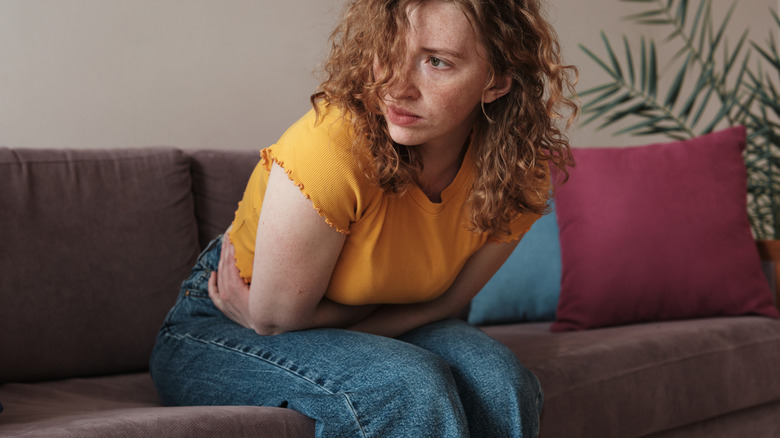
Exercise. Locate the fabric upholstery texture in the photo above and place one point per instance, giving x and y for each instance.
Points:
(658, 232)
(653, 376)
(527, 286)
(127, 406)
(218, 182)
(95, 245)
(759, 421)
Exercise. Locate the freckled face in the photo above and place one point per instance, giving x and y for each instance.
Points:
(444, 79)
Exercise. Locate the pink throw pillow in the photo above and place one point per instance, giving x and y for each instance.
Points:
(658, 232)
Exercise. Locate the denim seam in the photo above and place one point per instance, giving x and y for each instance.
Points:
(354, 413)
(277, 365)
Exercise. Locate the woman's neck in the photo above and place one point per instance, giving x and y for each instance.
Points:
(440, 167)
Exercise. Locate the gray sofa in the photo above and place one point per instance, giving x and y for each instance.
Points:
(96, 242)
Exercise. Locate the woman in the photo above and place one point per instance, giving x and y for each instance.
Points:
(372, 223)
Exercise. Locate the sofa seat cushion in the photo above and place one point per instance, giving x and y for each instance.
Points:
(127, 406)
(641, 379)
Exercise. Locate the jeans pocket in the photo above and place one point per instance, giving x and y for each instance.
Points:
(209, 257)
(196, 287)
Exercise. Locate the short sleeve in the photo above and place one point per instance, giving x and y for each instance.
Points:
(317, 156)
(517, 228)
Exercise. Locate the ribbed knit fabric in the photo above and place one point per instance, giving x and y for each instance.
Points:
(399, 249)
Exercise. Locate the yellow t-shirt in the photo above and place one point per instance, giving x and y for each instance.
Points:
(398, 249)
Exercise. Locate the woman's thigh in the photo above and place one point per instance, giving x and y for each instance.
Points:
(247, 368)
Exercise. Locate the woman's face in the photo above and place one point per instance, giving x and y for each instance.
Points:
(443, 80)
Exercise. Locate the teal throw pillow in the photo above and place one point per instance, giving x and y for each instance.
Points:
(527, 286)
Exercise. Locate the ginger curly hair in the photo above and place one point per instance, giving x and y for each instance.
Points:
(516, 134)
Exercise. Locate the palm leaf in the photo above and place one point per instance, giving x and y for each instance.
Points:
(674, 89)
(730, 61)
(706, 27)
(682, 11)
(598, 60)
(722, 113)
(612, 57)
(698, 17)
(685, 112)
(598, 89)
(600, 111)
(771, 54)
(616, 116)
(629, 61)
(599, 100)
(648, 122)
(703, 106)
(652, 71)
(647, 15)
(722, 29)
(643, 62)
(673, 132)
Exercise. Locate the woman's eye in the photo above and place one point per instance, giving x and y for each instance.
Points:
(436, 62)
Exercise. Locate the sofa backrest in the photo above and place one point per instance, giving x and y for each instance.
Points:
(93, 247)
(218, 182)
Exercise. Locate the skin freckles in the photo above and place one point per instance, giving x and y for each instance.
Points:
(442, 88)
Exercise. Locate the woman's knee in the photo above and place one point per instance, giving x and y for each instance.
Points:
(414, 393)
(416, 372)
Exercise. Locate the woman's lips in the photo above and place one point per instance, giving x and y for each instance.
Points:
(400, 117)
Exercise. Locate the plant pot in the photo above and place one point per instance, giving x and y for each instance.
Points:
(770, 252)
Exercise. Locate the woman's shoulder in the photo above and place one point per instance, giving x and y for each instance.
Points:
(321, 141)
(326, 130)
(317, 153)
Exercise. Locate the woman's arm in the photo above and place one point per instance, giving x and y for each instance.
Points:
(393, 320)
(294, 260)
(295, 254)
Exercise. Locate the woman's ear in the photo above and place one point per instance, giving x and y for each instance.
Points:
(500, 87)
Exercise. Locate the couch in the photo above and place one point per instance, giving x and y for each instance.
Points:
(96, 242)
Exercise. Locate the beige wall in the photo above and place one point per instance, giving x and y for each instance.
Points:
(207, 73)
(188, 73)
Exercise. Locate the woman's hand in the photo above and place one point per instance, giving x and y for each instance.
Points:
(227, 289)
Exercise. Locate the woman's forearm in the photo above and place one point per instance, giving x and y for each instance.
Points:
(393, 320)
(326, 314)
(335, 315)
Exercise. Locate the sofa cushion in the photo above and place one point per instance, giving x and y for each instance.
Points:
(95, 245)
(640, 379)
(658, 232)
(757, 421)
(527, 286)
(218, 182)
(127, 406)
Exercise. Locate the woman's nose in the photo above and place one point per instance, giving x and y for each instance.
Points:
(406, 86)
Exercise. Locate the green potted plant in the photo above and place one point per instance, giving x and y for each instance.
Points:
(741, 83)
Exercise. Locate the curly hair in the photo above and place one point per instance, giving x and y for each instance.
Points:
(518, 136)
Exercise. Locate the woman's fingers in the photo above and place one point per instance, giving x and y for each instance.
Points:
(227, 290)
(213, 291)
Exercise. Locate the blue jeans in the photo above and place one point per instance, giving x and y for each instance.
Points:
(446, 379)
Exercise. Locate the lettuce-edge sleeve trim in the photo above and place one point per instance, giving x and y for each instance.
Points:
(267, 159)
(519, 228)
